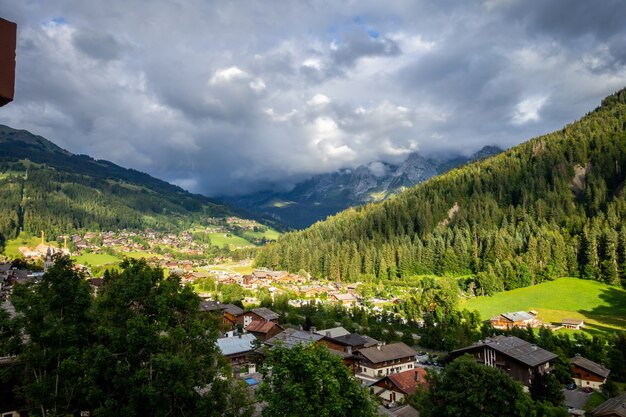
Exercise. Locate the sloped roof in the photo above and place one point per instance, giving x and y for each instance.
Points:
(612, 407)
(518, 316)
(233, 309)
(351, 339)
(261, 326)
(402, 411)
(333, 332)
(515, 348)
(211, 306)
(387, 352)
(345, 297)
(266, 313)
(291, 337)
(408, 381)
(591, 366)
(237, 344)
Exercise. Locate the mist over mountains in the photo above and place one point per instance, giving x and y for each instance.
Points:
(327, 194)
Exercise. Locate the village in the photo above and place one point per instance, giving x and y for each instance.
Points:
(391, 371)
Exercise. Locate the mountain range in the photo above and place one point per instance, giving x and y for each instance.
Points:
(327, 194)
(44, 187)
(553, 206)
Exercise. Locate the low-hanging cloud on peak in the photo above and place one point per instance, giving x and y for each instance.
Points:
(233, 97)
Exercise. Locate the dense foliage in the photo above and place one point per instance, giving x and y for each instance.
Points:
(550, 207)
(305, 381)
(140, 348)
(466, 388)
(43, 187)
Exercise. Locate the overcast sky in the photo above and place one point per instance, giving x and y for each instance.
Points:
(234, 96)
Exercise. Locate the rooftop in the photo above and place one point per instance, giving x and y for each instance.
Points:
(236, 344)
(351, 339)
(233, 309)
(591, 366)
(333, 332)
(291, 337)
(261, 326)
(265, 313)
(612, 407)
(408, 381)
(211, 306)
(515, 348)
(376, 354)
(518, 316)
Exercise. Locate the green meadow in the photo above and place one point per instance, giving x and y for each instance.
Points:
(603, 307)
(11, 246)
(221, 239)
(97, 259)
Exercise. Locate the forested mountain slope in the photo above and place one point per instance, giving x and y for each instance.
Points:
(550, 207)
(43, 187)
(327, 194)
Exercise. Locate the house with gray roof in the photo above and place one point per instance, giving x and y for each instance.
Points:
(376, 362)
(238, 349)
(518, 358)
(614, 407)
(587, 373)
(333, 332)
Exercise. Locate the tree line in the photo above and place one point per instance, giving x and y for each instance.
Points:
(140, 348)
(551, 207)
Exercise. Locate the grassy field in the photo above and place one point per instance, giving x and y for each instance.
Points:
(97, 259)
(11, 246)
(601, 306)
(232, 267)
(140, 255)
(220, 239)
(269, 234)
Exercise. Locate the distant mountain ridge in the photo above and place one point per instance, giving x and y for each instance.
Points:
(327, 194)
(551, 207)
(44, 187)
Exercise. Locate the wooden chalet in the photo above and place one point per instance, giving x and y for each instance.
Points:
(516, 319)
(264, 330)
(588, 373)
(614, 407)
(398, 387)
(232, 313)
(347, 300)
(518, 358)
(257, 314)
(575, 324)
(348, 343)
(376, 362)
(238, 349)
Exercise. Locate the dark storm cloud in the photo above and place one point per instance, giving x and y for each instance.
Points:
(98, 46)
(230, 97)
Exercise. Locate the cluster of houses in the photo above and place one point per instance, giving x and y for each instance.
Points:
(391, 371)
(524, 361)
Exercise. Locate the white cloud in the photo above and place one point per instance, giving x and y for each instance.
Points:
(528, 109)
(219, 97)
(227, 75)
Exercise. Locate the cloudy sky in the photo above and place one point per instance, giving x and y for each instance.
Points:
(235, 96)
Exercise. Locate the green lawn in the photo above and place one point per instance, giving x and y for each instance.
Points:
(269, 234)
(220, 239)
(11, 246)
(601, 306)
(140, 255)
(97, 259)
(232, 267)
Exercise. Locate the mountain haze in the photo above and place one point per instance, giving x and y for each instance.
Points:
(553, 206)
(44, 187)
(327, 194)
